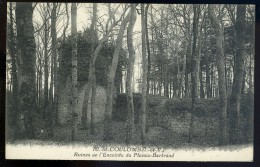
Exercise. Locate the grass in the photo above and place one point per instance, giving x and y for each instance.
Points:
(156, 136)
(165, 129)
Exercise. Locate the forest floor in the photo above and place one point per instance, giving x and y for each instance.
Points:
(175, 137)
(156, 136)
(173, 134)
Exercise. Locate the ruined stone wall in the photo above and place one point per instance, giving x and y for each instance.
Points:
(64, 107)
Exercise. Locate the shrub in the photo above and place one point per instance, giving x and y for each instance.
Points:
(207, 107)
(119, 110)
(155, 100)
(118, 113)
(204, 107)
(175, 106)
(84, 56)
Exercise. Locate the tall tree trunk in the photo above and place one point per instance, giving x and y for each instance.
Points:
(160, 81)
(9, 84)
(50, 103)
(84, 120)
(235, 97)
(170, 89)
(243, 81)
(92, 76)
(193, 70)
(211, 80)
(40, 86)
(177, 77)
(144, 77)
(164, 81)
(183, 70)
(174, 83)
(198, 58)
(149, 58)
(61, 79)
(249, 130)
(207, 68)
(111, 79)
(15, 102)
(186, 91)
(74, 74)
(51, 84)
(93, 102)
(148, 48)
(54, 69)
(27, 54)
(130, 68)
(202, 95)
(37, 83)
(153, 45)
(154, 87)
(220, 60)
(189, 50)
(46, 69)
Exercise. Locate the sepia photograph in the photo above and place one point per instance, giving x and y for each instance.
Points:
(130, 81)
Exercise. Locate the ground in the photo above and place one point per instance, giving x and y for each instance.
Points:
(165, 130)
(156, 136)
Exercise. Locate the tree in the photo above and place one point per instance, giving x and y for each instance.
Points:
(129, 79)
(215, 22)
(194, 95)
(46, 59)
(199, 55)
(11, 46)
(92, 76)
(74, 74)
(207, 65)
(60, 72)
(234, 106)
(148, 49)
(39, 67)
(55, 59)
(94, 54)
(111, 78)
(144, 76)
(249, 131)
(54, 69)
(26, 53)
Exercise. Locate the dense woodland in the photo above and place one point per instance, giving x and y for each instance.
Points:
(100, 70)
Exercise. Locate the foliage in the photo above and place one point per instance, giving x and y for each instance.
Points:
(155, 100)
(119, 110)
(180, 105)
(204, 107)
(120, 113)
(84, 56)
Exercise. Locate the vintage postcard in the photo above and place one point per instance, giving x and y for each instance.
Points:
(138, 82)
